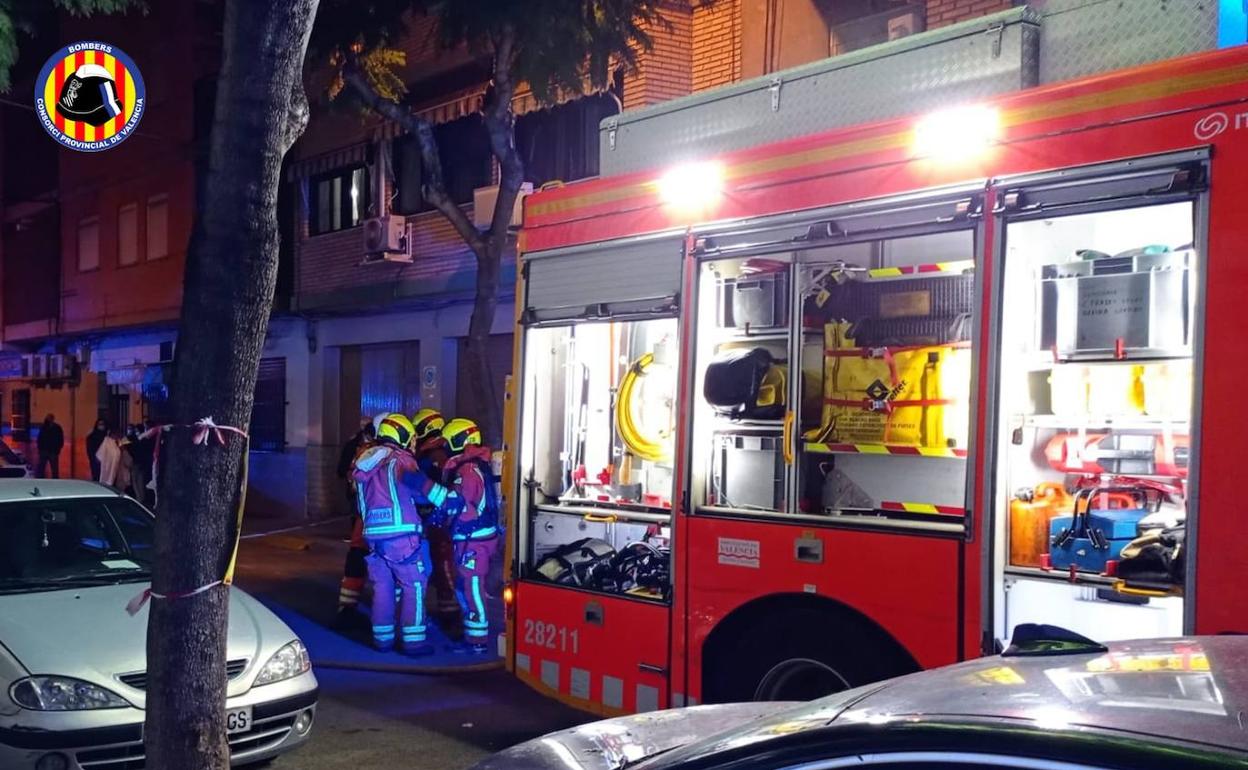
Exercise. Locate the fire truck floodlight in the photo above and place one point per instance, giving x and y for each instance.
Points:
(957, 134)
(693, 187)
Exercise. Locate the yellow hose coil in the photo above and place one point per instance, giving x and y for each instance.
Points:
(637, 444)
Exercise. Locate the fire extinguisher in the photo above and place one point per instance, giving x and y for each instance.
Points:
(1127, 454)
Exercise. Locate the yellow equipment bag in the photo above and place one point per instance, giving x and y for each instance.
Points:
(905, 395)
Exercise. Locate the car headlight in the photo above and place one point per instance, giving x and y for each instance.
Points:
(60, 693)
(290, 661)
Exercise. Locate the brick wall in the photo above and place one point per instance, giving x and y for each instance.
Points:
(664, 72)
(331, 262)
(941, 13)
(716, 41)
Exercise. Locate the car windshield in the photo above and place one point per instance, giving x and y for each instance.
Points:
(8, 456)
(785, 721)
(50, 544)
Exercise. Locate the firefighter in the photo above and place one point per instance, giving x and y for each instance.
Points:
(467, 494)
(355, 569)
(392, 527)
(430, 455)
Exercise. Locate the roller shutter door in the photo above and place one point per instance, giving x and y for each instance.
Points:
(636, 277)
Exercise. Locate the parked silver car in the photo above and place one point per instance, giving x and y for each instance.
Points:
(1055, 702)
(72, 661)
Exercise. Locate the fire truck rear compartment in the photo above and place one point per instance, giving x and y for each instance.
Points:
(1094, 415)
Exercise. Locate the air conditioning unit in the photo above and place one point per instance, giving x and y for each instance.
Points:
(387, 236)
(483, 201)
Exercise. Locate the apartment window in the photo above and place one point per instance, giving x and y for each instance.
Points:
(857, 24)
(158, 226)
(561, 143)
(268, 413)
(89, 244)
(128, 234)
(467, 163)
(339, 200)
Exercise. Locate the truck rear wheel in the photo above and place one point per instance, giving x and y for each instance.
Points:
(800, 679)
(800, 653)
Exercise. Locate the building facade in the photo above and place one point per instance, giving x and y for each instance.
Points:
(375, 288)
(94, 244)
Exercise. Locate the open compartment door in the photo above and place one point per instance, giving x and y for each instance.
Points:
(1094, 416)
(595, 477)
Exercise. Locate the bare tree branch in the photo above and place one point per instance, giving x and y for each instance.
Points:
(500, 125)
(434, 185)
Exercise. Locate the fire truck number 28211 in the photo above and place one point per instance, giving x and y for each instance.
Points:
(815, 413)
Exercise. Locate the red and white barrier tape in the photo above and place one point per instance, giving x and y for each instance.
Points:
(203, 429)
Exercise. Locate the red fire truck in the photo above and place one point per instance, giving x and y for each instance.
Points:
(845, 406)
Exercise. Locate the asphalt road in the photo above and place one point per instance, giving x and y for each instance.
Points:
(400, 721)
(369, 720)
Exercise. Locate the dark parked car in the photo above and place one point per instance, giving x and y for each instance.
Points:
(1051, 702)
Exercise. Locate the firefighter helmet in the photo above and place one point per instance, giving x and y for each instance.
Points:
(461, 432)
(427, 422)
(397, 428)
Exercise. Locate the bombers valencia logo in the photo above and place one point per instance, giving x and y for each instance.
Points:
(89, 96)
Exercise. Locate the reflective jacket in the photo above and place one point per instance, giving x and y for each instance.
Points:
(470, 477)
(386, 506)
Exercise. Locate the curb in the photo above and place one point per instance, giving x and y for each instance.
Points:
(408, 668)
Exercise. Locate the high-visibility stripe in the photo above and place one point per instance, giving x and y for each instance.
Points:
(955, 266)
(394, 495)
(883, 449)
(479, 534)
(420, 605)
(939, 510)
(476, 624)
(437, 495)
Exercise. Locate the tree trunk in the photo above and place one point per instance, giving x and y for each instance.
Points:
(230, 275)
(500, 125)
(479, 372)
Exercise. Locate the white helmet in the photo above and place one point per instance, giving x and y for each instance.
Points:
(377, 421)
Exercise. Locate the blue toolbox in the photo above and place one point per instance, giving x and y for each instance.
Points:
(1094, 536)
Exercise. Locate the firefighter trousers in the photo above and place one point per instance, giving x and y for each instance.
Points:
(472, 558)
(398, 563)
(355, 569)
(444, 568)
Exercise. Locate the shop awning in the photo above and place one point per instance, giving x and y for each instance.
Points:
(351, 155)
(445, 109)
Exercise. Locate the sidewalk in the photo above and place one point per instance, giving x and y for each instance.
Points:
(295, 572)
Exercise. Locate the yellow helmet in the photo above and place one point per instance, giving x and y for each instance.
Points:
(427, 422)
(397, 428)
(461, 432)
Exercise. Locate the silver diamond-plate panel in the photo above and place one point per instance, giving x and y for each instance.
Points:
(1084, 37)
(522, 662)
(964, 62)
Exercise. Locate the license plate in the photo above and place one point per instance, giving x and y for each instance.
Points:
(238, 720)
